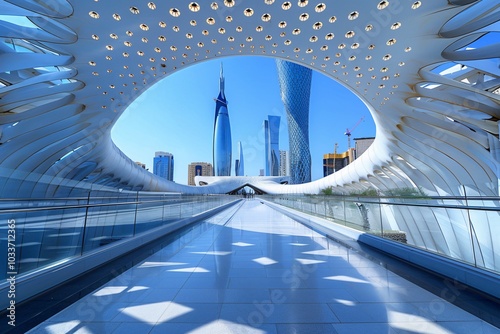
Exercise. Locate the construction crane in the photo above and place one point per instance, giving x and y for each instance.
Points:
(348, 132)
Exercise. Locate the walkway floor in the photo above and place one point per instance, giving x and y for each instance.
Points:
(261, 272)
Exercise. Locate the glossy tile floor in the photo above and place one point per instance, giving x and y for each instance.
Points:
(258, 271)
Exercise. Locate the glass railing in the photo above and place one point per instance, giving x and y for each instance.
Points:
(37, 233)
(465, 229)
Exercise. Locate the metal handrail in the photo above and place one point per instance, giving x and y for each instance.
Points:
(351, 199)
(82, 206)
(322, 205)
(484, 198)
(84, 198)
(49, 208)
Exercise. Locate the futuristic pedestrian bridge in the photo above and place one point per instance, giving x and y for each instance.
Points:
(181, 263)
(428, 71)
(253, 269)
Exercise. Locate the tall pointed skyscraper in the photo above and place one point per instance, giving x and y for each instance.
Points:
(222, 133)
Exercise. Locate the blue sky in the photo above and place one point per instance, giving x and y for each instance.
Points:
(176, 115)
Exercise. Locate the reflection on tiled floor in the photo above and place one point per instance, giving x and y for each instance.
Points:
(261, 273)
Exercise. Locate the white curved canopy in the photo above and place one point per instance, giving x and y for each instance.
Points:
(428, 71)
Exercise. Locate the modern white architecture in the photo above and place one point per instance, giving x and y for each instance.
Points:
(431, 88)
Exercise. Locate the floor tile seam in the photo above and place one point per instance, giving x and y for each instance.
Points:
(222, 218)
(116, 330)
(166, 309)
(231, 216)
(157, 322)
(364, 314)
(179, 250)
(219, 305)
(203, 257)
(234, 210)
(221, 226)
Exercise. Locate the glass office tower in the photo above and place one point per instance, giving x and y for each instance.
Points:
(272, 152)
(295, 85)
(163, 165)
(222, 133)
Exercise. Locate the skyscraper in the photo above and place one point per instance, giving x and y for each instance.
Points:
(333, 162)
(272, 155)
(163, 165)
(222, 133)
(295, 85)
(240, 165)
(198, 169)
(362, 144)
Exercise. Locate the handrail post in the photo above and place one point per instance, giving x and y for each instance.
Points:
(471, 227)
(380, 214)
(85, 223)
(345, 218)
(163, 209)
(326, 207)
(135, 216)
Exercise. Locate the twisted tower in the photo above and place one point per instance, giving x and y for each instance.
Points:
(295, 86)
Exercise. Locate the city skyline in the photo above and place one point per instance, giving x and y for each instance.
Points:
(174, 114)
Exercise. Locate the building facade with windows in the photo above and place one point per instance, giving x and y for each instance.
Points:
(271, 145)
(333, 162)
(163, 165)
(284, 163)
(198, 169)
(239, 168)
(361, 145)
